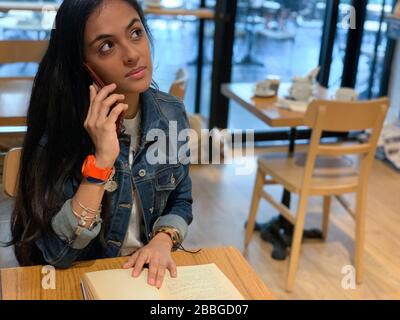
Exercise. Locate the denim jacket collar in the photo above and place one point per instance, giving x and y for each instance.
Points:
(152, 117)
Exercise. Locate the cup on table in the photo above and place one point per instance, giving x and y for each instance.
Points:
(267, 87)
(274, 83)
(262, 89)
(301, 91)
(346, 94)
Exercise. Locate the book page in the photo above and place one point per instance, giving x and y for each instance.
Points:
(118, 284)
(201, 282)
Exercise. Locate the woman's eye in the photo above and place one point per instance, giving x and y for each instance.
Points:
(105, 48)
(136, 33)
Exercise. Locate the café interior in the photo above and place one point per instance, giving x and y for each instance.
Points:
(309, 197)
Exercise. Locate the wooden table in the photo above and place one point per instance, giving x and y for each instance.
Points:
(265, 108)
(25, 5)
(25, 283)
(38, 7)
(202, 13)
(14, 100)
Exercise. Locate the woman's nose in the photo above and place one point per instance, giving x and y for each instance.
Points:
(130, 55)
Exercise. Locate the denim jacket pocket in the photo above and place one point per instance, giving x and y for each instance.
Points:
(166, 181)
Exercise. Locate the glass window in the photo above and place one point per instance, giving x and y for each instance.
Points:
(281, 37)
(373, 49)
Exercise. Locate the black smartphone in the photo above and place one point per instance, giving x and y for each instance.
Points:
(97, 80)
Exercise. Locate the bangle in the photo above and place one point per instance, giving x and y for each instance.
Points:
(173, 234)
(83, 219)
(87, 214)
(88, 210)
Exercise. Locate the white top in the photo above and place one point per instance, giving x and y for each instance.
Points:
(132, 240)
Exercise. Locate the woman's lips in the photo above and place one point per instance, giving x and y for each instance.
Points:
(136, 74)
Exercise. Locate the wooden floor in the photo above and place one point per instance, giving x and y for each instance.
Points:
(222, 200)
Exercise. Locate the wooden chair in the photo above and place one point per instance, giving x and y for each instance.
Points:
(178, 87)
(11, 171)
(15, 91)
(178, 90)
(326, 170)
(22, 50)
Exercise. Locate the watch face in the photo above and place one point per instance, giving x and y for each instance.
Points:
(111, 186)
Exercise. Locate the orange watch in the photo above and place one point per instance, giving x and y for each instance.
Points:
(89, 170)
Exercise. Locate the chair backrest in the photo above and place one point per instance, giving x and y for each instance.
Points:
(178, 87)
(16, 90)
(323, 115)
(11, 171)
(22, 50)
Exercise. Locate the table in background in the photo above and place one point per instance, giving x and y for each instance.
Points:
(267, 111)
(25, 282)
(40, 6)
(201, 13)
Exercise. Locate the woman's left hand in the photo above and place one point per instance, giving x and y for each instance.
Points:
(157, 254)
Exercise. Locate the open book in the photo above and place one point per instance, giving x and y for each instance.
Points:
(201, 282)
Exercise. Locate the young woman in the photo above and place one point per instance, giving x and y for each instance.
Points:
(86, 192)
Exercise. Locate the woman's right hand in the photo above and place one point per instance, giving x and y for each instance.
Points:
(101, 125)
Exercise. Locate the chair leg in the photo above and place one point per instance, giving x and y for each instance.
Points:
(296, 241)
(251, 220)
(360, 235)
(325, 218)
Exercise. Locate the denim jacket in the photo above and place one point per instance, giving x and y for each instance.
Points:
(163, 192)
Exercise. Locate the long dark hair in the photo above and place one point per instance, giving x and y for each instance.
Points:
(57, 110)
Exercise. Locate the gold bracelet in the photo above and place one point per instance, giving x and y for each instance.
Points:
(173, 234)
(83, 219)
(89, 210)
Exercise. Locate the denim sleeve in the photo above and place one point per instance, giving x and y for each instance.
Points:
(63, 247)
(65, 225)
(178, 211)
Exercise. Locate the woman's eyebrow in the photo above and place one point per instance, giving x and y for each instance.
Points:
(104, 36)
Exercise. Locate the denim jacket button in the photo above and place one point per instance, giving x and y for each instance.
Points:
(173, 180)
(142, 173)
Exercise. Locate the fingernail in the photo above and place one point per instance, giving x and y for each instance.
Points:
(151, 281)
(158, 284)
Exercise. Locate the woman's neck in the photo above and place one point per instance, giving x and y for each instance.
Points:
(132, 99)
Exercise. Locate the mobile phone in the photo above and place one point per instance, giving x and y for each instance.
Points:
(97, 80)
